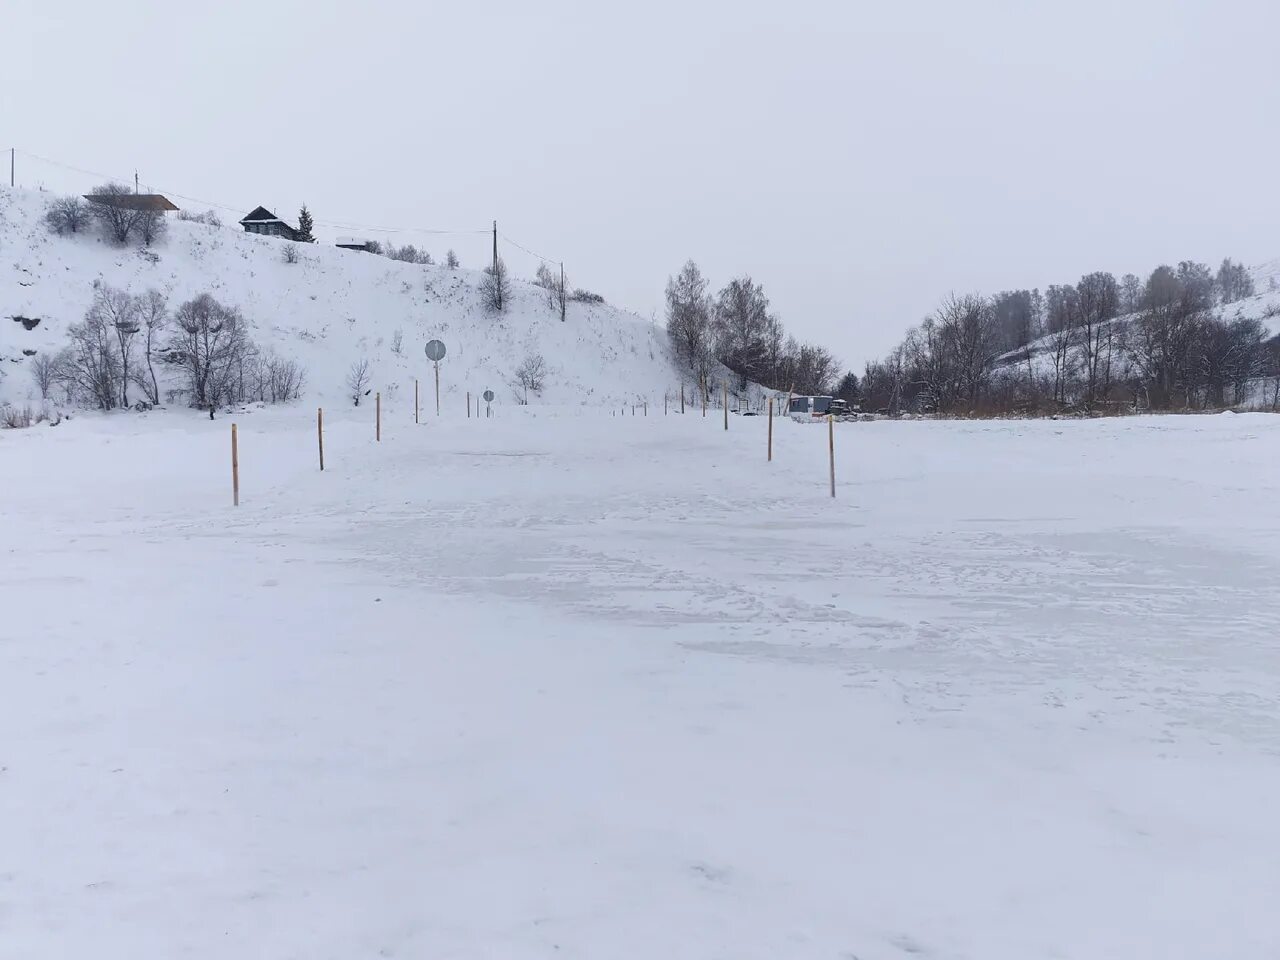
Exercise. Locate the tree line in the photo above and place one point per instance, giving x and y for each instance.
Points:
(737, 328)
(123, 338)
(1166, 342)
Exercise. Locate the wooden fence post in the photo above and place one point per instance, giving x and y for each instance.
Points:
(831, 450)
(726, 406)
(771, 429)
(235, 468)
(682, 397)
(468, 404)
(320, 434)
(377, 417)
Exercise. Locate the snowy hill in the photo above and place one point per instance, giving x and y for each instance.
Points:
(1264, 306)
(331, 308)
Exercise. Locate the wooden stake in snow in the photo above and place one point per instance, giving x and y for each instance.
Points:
(320, 434)
(726, 407)
(415, 399)
(377, 417)
(468, 404)
(771, 429)
(682, 398)
(831, 450)
(235, 468)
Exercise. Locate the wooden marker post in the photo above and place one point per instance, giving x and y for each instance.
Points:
(646, 408)
(831, 450)
(726, 407)
(704, 404)
(682, 399)
(771, 429)
(468, 404)
(377, 417)
(415, 399)
(320, 434)
(664, 403)
(235, 468)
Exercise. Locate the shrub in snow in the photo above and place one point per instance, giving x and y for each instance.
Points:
(358, 380)
(208, 218)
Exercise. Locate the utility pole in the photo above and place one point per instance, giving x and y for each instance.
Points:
(564, 294)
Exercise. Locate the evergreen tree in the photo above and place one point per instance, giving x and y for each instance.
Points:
(305, 223)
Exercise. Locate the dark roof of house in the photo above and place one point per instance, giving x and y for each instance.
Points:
(132, 201)
(261, 215)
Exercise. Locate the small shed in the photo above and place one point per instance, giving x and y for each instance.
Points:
(355, 243)
(265, 223)
(810, 406)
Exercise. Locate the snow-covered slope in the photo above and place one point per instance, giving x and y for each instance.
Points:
(1263, 306)
(328, 310)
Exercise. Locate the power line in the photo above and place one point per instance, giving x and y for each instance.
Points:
(527, 250)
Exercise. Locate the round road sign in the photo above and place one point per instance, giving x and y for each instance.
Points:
(435, 350)
(488, 396)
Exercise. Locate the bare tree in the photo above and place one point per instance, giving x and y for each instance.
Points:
(279, 380)
(1097, 302)
(112, 211)
(290, 253)
(1234, 281)
(547, 281)
(531, 374)
(67, 215)
(44, 371)
(153, 315)
(689, 319)
(118, 311)
(495, 288)
(89, 367)
(358, 380)
(397, 342)
(741, 321)
(151, 226)
(211, 342)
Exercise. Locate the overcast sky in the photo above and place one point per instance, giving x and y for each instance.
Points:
(859, 160)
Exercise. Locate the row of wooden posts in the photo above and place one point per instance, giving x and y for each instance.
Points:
(377, 419)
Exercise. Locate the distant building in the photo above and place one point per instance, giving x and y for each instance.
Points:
(810, 406)
(132, 201)
(355, 243)
(265, 223)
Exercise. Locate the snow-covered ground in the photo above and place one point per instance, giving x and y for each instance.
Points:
(567, 684)
(328, 310)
